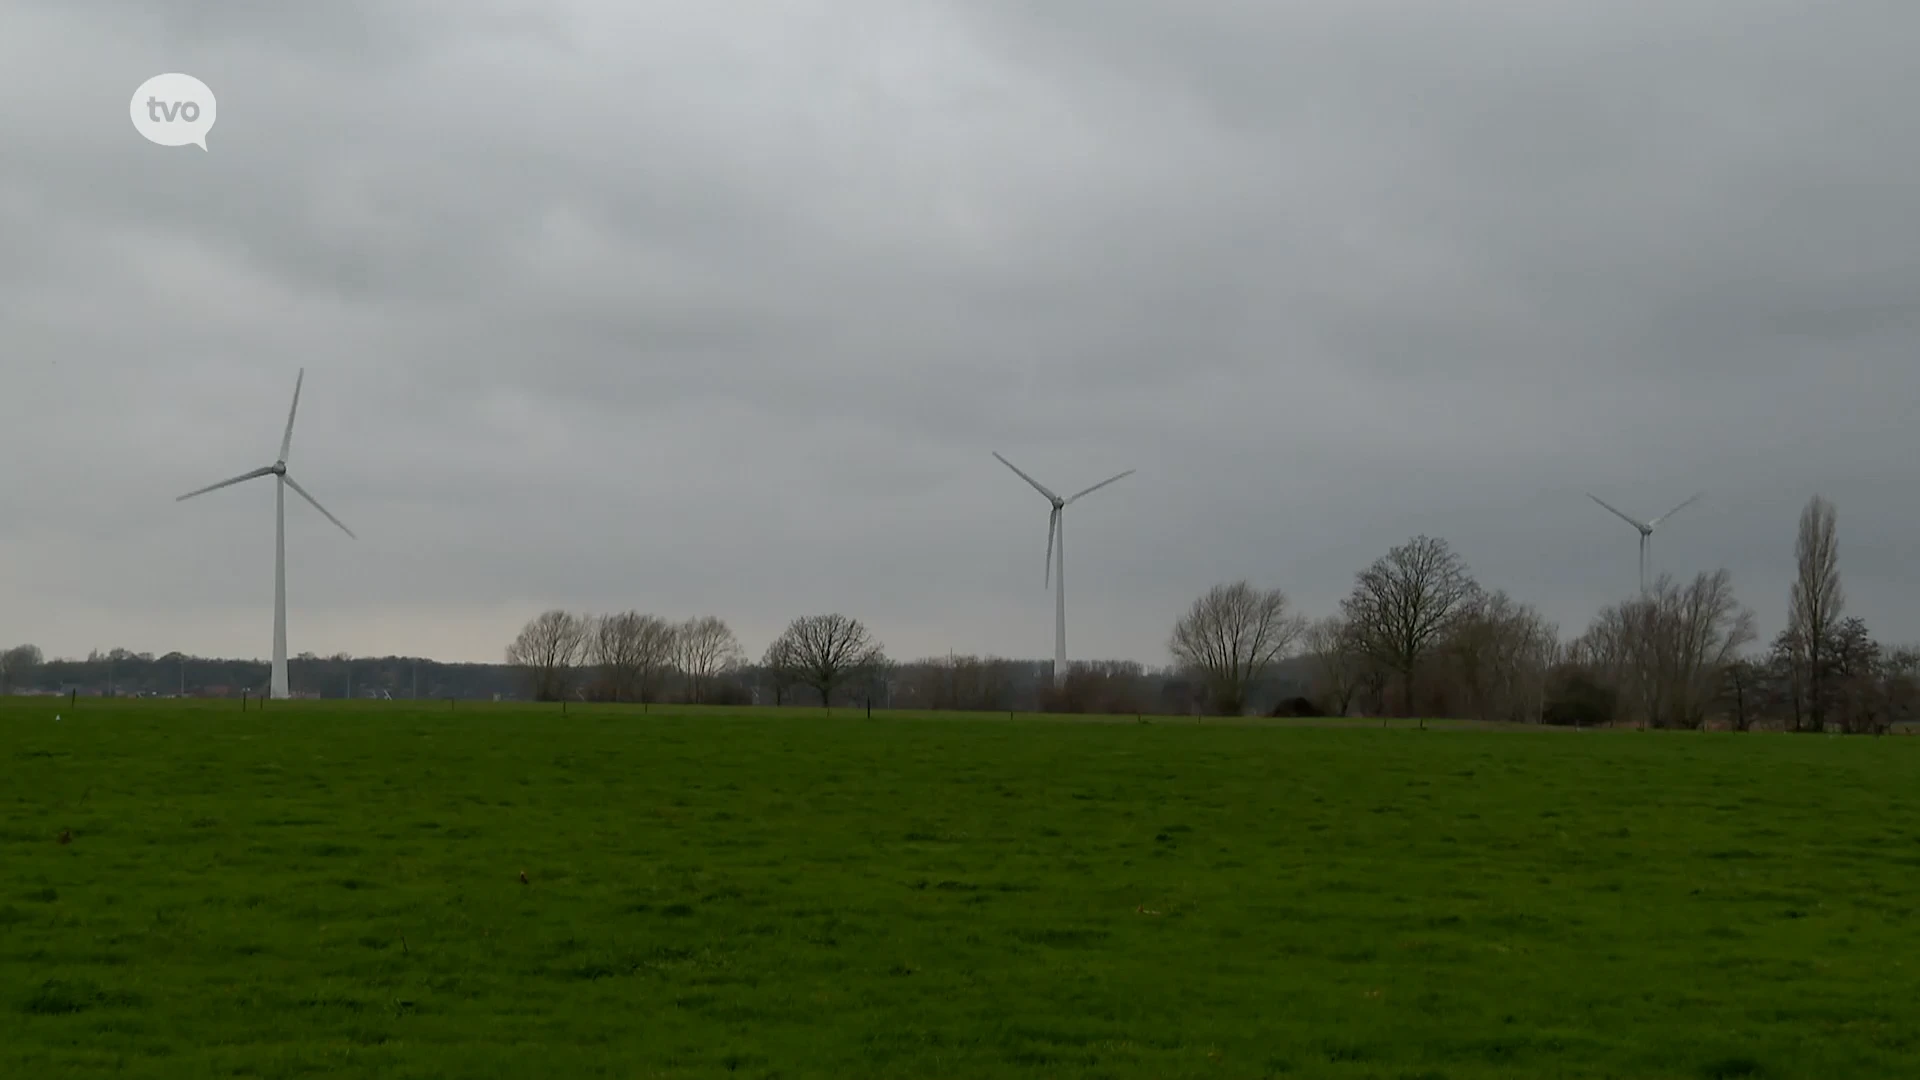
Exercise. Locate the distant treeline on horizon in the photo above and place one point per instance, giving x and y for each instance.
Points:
(917, 684)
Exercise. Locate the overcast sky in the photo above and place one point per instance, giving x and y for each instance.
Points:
(707, 307)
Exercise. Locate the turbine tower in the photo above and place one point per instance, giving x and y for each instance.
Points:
(278, 470)
(1057, 561)
(1646, 529)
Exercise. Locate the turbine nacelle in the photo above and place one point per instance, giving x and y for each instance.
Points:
(1644, 528)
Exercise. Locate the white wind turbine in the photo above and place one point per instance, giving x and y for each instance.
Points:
(278, 470)
(1057, 561)
(1646, 529)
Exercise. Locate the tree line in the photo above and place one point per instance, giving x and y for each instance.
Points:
(627, 657)
(119, 671)
(637, 657)
(817, 660)
(1417, 636)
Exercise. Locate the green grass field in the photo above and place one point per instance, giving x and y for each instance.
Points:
(333, 890)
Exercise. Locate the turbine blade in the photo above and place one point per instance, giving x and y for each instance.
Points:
(1675, 510)
(286, 441)
(1037, 485)
(1053, 525)
(316, 505)
(1102, 484)
(1623, 517)
(227, 483)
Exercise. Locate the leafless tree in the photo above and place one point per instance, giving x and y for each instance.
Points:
(825, 651)
(1866, 688)
(18, 666)
(780, 666)
(547, 651)
(1786, 674)
(1857, 682)
(1406, 602)
(654, 652)
(1499, 653)
(607, 650)
(1710, 628)
(1605, 653)
(1231, 636)
(876, 682)
(1816, 602)
(971, 683)
(1102, 687)
(1665, 655)
(1743, 691)
(1901, 669)
(1336, 664)
(981, 684)
(632, 652)
(705, 650)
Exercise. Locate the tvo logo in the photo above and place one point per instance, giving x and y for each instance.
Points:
(173, 110)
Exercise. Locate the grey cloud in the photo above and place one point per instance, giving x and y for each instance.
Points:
(609, 305)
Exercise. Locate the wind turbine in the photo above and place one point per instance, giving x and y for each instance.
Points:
(1057, 561)
(278, 470)
(1646, 529)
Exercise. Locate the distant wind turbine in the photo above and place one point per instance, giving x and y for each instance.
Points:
(1646, 529)
(1057, 561)
(278, 470)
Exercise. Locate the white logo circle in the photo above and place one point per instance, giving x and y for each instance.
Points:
(173, 110)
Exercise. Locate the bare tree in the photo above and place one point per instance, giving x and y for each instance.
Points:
(1336, 664)
(1499, 653)
(658, 639)
(1857, 679)
(1406, 602)
(1786, 669)
(609, 650)
(1711, 629)
(1231, 636)
(1742, 688)
(705, 649)
(972, 683)
(1101, 687)
(1666, 655)
(1816, 602)
(633, 653)
(877, 679)
(1902, 672)
(1604, 653)
(547, 651)
(1866, 687)
(980, 684)
(825, 651)
(781, 667)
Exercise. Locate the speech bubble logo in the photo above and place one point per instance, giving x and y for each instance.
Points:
(173, 110)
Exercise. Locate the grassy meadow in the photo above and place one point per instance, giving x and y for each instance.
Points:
(333, 889)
